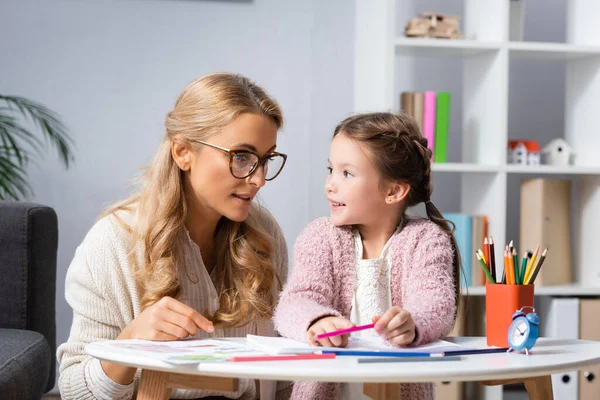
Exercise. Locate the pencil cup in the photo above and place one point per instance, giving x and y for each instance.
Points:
(501, 302)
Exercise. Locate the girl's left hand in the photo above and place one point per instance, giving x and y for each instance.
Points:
(396, 325)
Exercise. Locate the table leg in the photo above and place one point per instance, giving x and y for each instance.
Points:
(154, 386)
(157, 385)
(538, 388)
(382, 391)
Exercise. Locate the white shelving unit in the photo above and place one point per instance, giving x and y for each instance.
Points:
(386, 64)
(485, 58)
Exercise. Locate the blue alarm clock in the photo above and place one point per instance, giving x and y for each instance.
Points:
(523, 331)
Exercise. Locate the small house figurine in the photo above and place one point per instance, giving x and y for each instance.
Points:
(523, 152)
(558, 152)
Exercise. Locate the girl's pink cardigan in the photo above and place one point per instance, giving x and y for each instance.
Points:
(322, 280)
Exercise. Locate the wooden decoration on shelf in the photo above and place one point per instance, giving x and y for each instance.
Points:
(431, 24)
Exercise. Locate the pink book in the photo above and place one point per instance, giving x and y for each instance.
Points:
(429, 119)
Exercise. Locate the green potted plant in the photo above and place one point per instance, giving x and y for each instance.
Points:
(20, 119)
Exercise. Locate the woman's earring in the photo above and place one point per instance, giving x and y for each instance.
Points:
(186, 167)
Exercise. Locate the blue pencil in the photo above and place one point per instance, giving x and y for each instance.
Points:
(376, 353)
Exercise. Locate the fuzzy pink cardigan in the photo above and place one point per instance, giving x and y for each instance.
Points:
(322, 281)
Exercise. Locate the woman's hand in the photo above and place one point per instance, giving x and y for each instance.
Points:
(328, 324)
(167, 319)
(397, 326)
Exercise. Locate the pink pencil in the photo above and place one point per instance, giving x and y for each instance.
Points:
(345, 331)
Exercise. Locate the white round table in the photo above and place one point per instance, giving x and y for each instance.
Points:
(549, 356)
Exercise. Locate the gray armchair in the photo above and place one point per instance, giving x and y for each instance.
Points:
(28, 244)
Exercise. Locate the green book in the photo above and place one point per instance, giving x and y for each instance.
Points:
(442, 121)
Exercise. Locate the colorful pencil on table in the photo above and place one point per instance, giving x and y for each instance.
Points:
(486, 271)
(290, 357)
(345, 331)
(492, 258)
(537, 268)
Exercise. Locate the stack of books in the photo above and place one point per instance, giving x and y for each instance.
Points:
(431, 110)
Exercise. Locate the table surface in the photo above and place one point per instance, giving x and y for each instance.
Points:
(547, 357)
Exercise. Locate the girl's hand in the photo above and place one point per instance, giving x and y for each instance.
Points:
(167, 319)
(397, 326)
(328, 324)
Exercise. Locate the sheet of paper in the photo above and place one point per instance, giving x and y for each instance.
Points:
(183, 351)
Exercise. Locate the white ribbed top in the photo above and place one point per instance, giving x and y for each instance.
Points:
(100, 288)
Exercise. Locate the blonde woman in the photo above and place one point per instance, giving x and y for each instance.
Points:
(190, 253)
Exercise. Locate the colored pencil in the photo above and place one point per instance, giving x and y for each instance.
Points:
(376, 353)
(522, 271)
(486, 253)
(289, 357)
(486, 271)
(531, 263)
(537, 268)
(407, 359)
(345, 331)
(492, 259)
(505, 269)
(511, 270)
(515, 267)
(475, 351)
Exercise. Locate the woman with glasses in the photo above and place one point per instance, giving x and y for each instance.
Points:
(190, 254)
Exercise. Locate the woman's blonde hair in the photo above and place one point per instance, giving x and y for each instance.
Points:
(245, 274)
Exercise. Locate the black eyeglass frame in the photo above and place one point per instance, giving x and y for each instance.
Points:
(261, 160)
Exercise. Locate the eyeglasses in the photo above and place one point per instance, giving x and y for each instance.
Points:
(243, 163)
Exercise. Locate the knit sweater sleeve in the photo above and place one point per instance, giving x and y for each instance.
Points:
(429, 293)
(97, 291)
(308, 293)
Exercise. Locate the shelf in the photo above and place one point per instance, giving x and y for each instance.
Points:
(430, 47)
(552, 170)
(551, 51)
(573, 290)
(516, 169)
(466, 167)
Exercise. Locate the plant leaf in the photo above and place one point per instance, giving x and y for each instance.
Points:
(47, 121)
(13, 180)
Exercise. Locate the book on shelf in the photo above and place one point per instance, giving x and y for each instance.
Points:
(470, 232)
(431, 111)
(545, 220)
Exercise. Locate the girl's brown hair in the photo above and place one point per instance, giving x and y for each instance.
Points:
(245, 273)
(400, 153)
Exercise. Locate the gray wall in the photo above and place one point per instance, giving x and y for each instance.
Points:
(112, 69)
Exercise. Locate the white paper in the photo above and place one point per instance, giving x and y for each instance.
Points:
(183, 351)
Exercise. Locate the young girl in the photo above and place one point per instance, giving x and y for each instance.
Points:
(368, 262)
(190, 254)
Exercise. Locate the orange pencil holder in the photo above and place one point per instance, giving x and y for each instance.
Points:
(501, 302)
